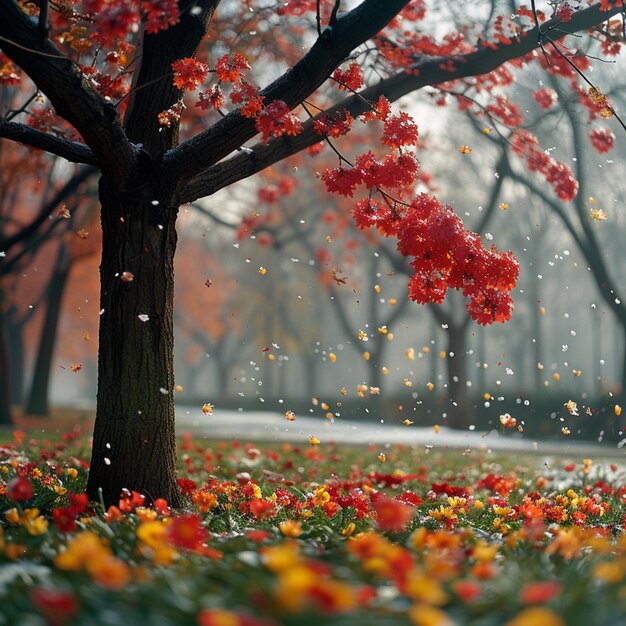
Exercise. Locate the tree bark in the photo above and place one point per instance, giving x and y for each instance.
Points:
(38, 398)
(134, 443)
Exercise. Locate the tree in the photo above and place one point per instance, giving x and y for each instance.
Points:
(132, 136)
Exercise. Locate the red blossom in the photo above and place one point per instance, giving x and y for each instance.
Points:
(186, 485)
(391, 515)
(159, 14)
(276, 119)
(186, 531)
(602, 139)
(261, 508)
(545, 97)
(351, 78)
(57, 606)
(540, 592)
(189, 73)
(20, 489)
(230, 69)
(565, 11)
(212, 98)
(399, 130)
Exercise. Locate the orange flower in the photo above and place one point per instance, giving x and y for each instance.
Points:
(536, 616)
(204, 500)
(109, 572)
(290, 528)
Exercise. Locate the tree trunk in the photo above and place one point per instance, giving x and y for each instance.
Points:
(134, 444)
(38, 398)
(15, 331)
(5, 376)
(459, 410)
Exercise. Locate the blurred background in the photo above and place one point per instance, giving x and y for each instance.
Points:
(283, 304)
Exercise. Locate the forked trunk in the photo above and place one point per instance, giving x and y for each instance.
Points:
(134, 440)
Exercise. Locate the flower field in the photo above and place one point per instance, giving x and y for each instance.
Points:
(315, 534)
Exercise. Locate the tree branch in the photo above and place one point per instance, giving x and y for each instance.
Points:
(70, 150)
(426, 72)
(73, 98)
(153, 89)
(298, 83)
(68, 188)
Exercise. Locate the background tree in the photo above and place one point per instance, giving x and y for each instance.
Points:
(82, 60)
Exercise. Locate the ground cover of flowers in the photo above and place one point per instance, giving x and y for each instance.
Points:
(286, 534)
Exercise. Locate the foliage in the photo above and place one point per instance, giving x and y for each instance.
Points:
(291, 535)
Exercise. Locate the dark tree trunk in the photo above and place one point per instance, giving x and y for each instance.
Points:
(38, 398)
(134, 444)
(459, 409)
(16, 352)
(5, 376)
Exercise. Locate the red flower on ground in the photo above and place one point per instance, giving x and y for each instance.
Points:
(186, 531)
(57, 606)
(540, 592)
(20, 489)
(391, 515)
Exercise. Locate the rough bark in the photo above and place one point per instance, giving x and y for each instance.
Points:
(134, 444)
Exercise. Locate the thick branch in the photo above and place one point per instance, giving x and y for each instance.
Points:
(71, 150)
(293, 87)
(71, 95)
(153, 89)
(428, 72)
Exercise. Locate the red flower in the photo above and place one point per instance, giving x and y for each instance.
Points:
(467, 590)
(64, 520)
(391, 515)
(545, 97)
(186, 531)
(540, 592)
(602, 139)
(186, 485)
(262, 508)
(350, 78)
(20, 488)
(189, 73)
(57, 606)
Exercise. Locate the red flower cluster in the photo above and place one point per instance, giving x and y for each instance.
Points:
(350, 78)
(276, 119)
(602, 139)
(189, 73)
(545, 97)
(65, 518)
(159, 14)
(230, 68)
(335, 126)
(559, 175)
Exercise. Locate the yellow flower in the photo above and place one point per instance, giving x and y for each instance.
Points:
(80, 549)
(34, 523)
(484, 552)
(536, 616)
(290, 528)
(610, 571)
(424, 615)
(12, 516)
(281, 557)
(425, 589)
